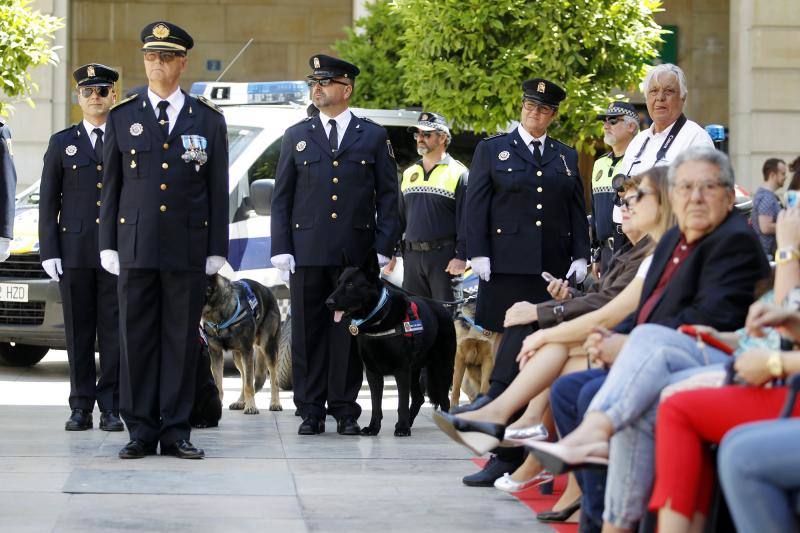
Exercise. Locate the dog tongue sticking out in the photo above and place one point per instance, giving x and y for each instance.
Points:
(337, 316)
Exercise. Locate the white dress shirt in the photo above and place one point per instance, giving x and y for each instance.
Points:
(176, 101)
(89, 127)
(527, 138)
(342, 121)
(690, 135)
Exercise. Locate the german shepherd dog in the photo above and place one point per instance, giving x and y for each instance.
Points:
(474, 360)
(408, 337)
(246, 322)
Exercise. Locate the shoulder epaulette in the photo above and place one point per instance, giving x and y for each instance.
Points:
(131, 98)
(368, 120)
(212, 105)
(65, 130)
(502, 133)
(562, 144)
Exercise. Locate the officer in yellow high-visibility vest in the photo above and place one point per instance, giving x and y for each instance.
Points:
(620, 126)
(433, 194)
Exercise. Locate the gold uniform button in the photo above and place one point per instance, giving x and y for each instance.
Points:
(538, 222)
(99, 185)
(205, 223)
(538, 189)
(63, 229)
(99, 167)
(163, 187)
(334, 197)
(336, 163)
(499, 230)
(538, 206)
(74, 167)
(166, 146)
(133, 152)
(335, 180)
(122, 220)
(163, 208)
(97, 221)
(98, 203)
(538, 172)
(165, 166)
(363, 162)
(334, 216)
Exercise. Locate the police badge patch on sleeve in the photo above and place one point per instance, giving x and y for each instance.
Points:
(389, 146)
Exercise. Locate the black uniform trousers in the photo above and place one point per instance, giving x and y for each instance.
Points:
(325, 362)
(159, 316)
(424, 274)
(89, 297)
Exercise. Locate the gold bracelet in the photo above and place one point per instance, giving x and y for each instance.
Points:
(775, 365)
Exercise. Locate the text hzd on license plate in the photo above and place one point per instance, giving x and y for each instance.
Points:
(13, 292)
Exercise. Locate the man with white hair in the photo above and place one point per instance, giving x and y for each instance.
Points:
(671, 132)
(620, 125)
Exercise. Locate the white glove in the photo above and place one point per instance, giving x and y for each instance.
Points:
(53, 267)
(213, 264)
(383, 260)
(482, 267)
(5, 248)
(578, 267)
(285, 276)
(283, 262)
(110, 261)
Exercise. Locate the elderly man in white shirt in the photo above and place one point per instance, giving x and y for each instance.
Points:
(671, 132)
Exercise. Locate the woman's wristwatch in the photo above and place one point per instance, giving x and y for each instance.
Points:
(775, 364)
(786, 254)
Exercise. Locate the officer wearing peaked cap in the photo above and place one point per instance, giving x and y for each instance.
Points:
(335, 194)
(69, 210)
(163, 228)
(8, 188)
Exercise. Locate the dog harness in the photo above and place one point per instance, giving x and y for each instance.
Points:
(242, 312)
(411, 325)
(353, 328)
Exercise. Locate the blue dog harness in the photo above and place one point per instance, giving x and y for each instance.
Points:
(353, 328)
(242, 312)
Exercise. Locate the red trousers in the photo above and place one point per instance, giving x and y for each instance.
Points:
(689, 421)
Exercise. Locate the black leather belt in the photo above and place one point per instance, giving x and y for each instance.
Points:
(429, 246)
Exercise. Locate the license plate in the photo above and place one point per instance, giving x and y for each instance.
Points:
(13, 292)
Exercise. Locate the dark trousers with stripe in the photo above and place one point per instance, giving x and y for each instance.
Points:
(91, 311)
(159, 316)
(326, 367)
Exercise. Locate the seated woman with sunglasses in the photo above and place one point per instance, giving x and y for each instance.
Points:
(646, 212)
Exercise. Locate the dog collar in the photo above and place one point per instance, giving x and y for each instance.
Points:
(381, 302)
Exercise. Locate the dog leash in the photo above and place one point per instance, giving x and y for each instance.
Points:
(479, 329)
(238, 316)
(357, 322)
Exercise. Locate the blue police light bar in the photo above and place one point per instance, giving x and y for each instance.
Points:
(716, 132)
(273, 92)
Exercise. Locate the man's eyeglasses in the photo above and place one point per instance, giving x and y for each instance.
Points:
(539, 108)
(668, 92)
(324, 82)
(165, 57)
(87, 92)
(425, 134)
(628, 201)
(612, 120)
(706, 188)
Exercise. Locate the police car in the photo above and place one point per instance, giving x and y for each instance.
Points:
(257, 114)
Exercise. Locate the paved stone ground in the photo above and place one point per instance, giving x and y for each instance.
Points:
(258, 473)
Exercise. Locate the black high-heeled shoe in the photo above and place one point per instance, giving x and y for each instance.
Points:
(559, 516)
(479, 437)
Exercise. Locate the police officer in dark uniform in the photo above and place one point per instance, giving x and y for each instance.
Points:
(69, 211)
(335, 172)
(433, 192)
(8, 189)
(163, 228)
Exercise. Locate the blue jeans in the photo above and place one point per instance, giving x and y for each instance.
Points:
(654, 357)
(757, 468)
(569, 398)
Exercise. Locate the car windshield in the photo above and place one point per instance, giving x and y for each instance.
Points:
(239, 137)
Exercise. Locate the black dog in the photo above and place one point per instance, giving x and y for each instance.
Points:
(397, 335)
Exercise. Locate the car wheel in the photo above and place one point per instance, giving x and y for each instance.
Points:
(285, 355)
(21, 354)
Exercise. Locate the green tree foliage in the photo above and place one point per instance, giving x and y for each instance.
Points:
(467, 58)
(25, 42)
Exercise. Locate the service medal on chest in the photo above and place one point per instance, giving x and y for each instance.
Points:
(504, 155)
(71, 150)
(300, 146)
(195, 146)
(353, 329)
(136, 129)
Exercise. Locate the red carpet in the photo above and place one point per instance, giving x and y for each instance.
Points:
(538, 503)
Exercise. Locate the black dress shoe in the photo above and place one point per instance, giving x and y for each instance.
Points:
(110, 421)
(311, 426)
(137, 449)
(492, 471)
(79, 420)
(479, 402)
(348, 426)
(183, 449)
(559, 516)
(479, 437)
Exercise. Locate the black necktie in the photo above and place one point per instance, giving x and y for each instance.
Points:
(163, 119)
(98, 144)
(537, 155)
(334, 136)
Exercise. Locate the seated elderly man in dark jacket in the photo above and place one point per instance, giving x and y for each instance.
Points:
(704, 271)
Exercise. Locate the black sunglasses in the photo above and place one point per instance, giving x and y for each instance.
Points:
(612, 120)
(324, 82)
(102, 92)
(425, 134)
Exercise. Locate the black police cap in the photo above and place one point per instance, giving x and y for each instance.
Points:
(543, 91)
(165, 37)
(95, 74)
(618, 109)
(428, 121)
(331, 67)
